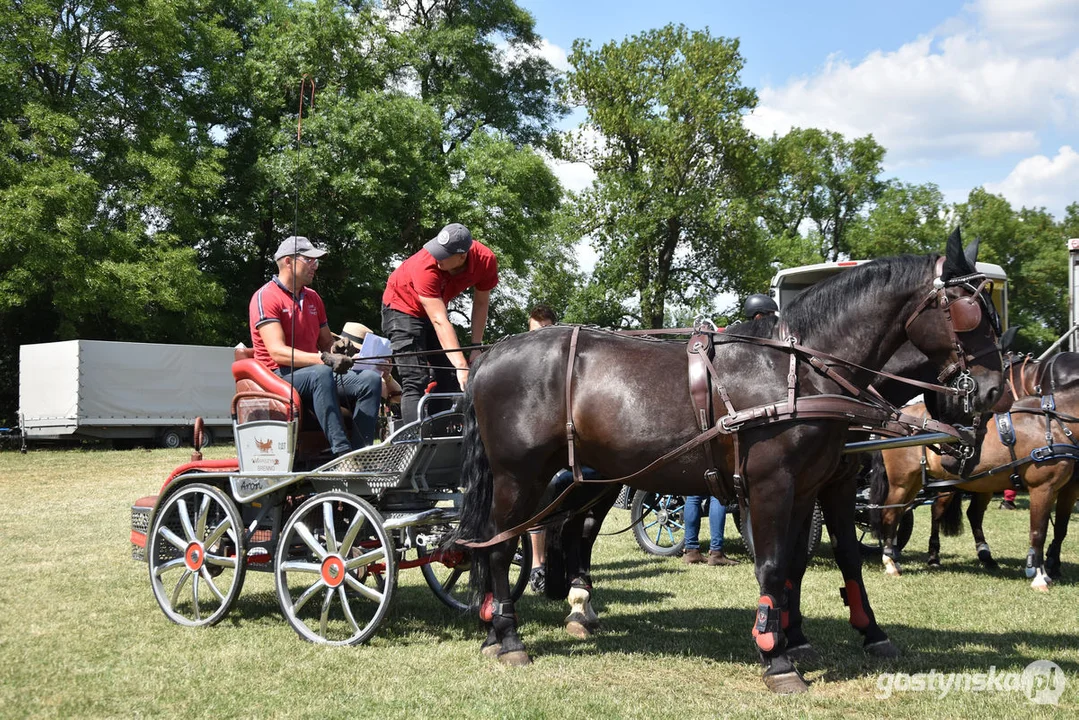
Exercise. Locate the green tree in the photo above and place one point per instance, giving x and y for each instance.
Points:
(817, 179)
(385, 159)
(477, 63)
(671, 159)
(106, 166)
(905, 218)
(1031, 248)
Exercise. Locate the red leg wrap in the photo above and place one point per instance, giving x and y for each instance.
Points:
(858, 616)
(487, 607)
(764, 629)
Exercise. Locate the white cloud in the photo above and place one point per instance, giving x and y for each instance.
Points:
(1045, 25)
(1040, 181)
(574, 177)
(554, 55)
(939, 98)
(547, 50)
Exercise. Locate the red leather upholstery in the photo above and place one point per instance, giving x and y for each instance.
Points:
(253, 376)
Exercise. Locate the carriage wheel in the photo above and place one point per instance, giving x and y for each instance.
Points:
(816, 530)
(659, 522)
(871, 545)
(196, 555)
(335, 569)
(449, 573)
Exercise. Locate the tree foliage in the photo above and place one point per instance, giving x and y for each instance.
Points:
(818, 183)
(671, 156)
(1031, 248)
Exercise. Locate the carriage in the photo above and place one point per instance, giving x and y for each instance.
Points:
(334, 532)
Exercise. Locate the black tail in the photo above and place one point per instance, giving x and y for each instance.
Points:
(951, 517)
(478, 482)
(878, 490)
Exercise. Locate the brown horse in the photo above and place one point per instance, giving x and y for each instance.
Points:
(991, 470)
(620, 416)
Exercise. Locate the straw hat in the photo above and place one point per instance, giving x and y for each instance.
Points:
(354, 333)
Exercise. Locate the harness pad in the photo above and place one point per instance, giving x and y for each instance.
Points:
(1005, 429)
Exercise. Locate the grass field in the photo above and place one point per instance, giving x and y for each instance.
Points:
(81, 634)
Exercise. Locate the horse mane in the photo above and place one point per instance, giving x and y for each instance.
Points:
(762, 327)
(815, 309)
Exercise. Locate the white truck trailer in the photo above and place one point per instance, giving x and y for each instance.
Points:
(124, 391)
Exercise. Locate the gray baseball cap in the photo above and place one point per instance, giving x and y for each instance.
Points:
(455, 239)
(297, 245)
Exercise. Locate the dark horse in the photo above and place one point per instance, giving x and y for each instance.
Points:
(623, 419)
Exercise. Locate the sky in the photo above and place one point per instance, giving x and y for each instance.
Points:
(983, 93)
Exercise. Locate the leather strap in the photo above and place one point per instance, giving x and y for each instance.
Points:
(571, 433)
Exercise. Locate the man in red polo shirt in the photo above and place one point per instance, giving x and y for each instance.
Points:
(414, 315)
(292, 338)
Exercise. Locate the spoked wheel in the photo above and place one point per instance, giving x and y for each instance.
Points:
(196, 555)
(448, 573)
(870, 544)
(816, 529)
(335, 569)
(661, 529)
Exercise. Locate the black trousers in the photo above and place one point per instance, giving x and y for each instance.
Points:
(412, 334)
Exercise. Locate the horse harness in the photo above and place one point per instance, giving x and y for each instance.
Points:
(867, 409)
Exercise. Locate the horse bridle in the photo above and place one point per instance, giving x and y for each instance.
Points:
(963, 314)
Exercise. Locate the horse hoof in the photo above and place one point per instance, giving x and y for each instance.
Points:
(892, 570)
(515, 658)
(491, 650)
(882, 649)
(789, 683)
(1041, 584)
(803, 653)
(990, 564)
(578, 630)
(931, 565)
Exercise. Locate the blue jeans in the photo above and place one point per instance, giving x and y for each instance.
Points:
(361, 390)
(318, 391)
(717, 517)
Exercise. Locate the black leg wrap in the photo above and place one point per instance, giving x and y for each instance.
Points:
(582, 582)
(505, 626)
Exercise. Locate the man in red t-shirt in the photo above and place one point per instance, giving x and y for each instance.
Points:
(414, 315)
(292, 338)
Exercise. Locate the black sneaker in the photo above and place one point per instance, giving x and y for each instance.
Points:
(537, 580)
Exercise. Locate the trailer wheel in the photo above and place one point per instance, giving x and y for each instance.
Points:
(196, 555)
(207, 437)
(335, 570)
(171, 438)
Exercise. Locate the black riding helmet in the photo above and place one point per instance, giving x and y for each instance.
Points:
(758, 303)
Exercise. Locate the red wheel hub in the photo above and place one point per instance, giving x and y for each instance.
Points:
(333, 570)
(194, 556)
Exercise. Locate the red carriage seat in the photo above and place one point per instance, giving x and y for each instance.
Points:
(271, 402)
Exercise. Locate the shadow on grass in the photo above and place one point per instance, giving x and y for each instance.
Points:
(719, 634)
(723, 635)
